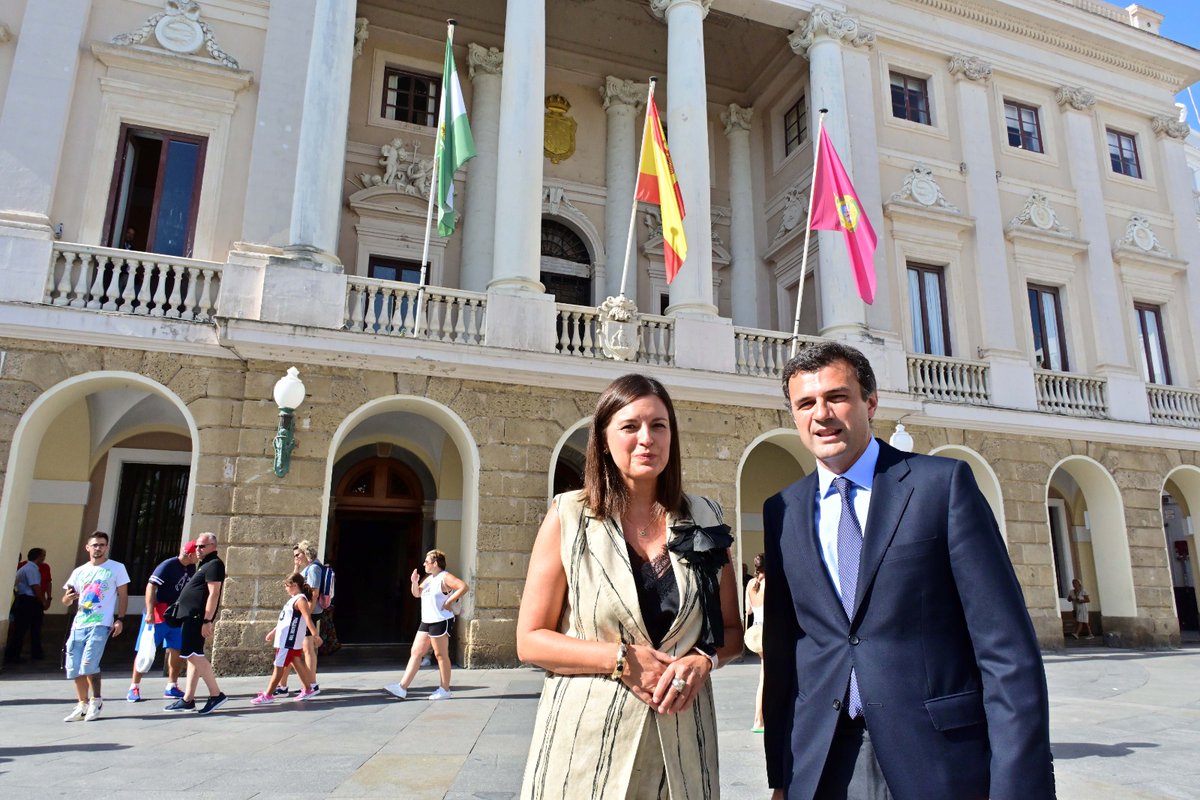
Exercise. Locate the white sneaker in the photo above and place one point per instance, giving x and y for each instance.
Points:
(440, 694)
(93, 709)
(77, 713)
(397, 690)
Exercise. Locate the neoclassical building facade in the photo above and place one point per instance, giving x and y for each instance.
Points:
(198, 195)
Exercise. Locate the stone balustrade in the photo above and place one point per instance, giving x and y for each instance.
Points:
(391, 308)
(949, 380)
(578, 331)
(1072, 395)
(131, 282)
(1170, 405)
(763, 353)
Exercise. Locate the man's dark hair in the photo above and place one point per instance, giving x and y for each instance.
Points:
(822, 354)
(35, 553)
(99, 535)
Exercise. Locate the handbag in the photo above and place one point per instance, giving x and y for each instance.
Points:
(753, 639)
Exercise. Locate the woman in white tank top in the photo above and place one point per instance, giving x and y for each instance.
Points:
(439, 593)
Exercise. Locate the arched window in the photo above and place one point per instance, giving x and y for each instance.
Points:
(566, 269)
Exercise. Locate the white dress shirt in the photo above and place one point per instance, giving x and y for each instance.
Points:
(829, 505)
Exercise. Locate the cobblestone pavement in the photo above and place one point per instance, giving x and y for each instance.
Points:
(1124, 725)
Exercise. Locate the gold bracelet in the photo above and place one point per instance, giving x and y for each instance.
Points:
(619, 669)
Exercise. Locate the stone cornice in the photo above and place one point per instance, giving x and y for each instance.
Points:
(1077, 97)
(485, 60)
(617, 91)
(659, 8)
(834, 24)
(736, 118)
(972, 68)
(987, 15)
(1170, 125)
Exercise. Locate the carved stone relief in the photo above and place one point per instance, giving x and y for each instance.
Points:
(5, 33)
(795, 209)
(559, 135)
(1077, 97)
(403, 170)
(1139, 235)
(554, 198)
(360, 35)
(617, 91)
(920, 187)
(659, 7)
(488, 60)
(972, 68)
(834, 24)
(736, 118)
(1039, 214)
(1170, 125)
(178, 29)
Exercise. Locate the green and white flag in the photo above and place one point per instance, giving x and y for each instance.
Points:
(455, 146)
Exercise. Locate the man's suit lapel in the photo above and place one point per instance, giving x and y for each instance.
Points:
(802, 561)
(889, 497)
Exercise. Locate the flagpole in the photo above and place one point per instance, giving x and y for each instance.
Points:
(433, 184)
(633, 212)
(807, 232)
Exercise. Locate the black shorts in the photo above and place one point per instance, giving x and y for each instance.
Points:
(436, 629)
(191, 643)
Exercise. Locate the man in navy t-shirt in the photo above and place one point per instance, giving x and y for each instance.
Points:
(162, 589)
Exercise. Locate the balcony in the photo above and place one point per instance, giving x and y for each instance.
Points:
(1070, 395)
(390, 308)
(949, 380)
(1170, 405)
(763, 353)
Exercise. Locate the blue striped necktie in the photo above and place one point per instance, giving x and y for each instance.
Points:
(849, 548)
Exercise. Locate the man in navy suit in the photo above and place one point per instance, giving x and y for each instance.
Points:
(900, 660)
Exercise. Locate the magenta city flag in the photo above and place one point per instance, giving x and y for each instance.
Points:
(835, 206)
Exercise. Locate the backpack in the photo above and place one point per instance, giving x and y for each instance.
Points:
(325, 591)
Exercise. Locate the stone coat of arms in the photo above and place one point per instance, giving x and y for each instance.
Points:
(559, 137)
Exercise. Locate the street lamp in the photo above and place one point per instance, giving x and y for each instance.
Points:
(901, 439)
(289, 394)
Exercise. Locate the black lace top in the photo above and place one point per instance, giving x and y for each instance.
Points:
(658, 593)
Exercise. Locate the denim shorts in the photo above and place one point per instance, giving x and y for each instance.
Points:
(85, 647)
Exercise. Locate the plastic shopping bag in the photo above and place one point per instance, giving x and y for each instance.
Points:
(146, 652)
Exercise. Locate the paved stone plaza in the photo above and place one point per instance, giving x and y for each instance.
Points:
(1124, 725)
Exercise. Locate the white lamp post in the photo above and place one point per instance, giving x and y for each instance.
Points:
(289, 395)
(901, 439)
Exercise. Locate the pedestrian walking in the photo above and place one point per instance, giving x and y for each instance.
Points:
(197, 606)
(289, 633)
(101, 588)
(438, 592)
(162, 590)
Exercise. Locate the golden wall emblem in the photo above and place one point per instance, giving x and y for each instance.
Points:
(559, 137)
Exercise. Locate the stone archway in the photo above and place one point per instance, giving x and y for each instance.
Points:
(56, 447)
(569, 458)
(1181, 505)
(985, 476)
(1086, 518)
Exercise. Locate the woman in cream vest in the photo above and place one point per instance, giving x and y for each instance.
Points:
(629, 605)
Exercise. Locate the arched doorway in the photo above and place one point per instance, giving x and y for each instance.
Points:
(566, 268)
(570, 459)
(985, 477)
(1180, 499)
(374, 542)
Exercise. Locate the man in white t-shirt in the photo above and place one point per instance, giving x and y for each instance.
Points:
(101, 587)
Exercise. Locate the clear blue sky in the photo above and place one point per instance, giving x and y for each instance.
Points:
(1182, 23)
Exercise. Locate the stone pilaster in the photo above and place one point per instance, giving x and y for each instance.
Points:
(623, 103)
(485, 66)
(1176, 175)
(749, 278)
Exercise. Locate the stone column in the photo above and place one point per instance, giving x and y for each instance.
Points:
(1172, 133)
(519, 174)
(479, 222)
(820, 41)
(1126, 390)
(33, 127)
(321, 156)
(623, 103)
(1012, 381)
(687, 134)
(749, 280)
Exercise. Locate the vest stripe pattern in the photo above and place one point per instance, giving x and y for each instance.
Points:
(593, 739)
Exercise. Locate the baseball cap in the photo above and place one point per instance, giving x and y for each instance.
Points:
(190, 547)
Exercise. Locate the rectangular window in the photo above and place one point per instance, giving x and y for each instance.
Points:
(795, 126)
(1024, 127)
(927, 302)
(1155, 368)
(910, 98)
(1049, 341)
(409, 97)
(391, 269)
(155, 191)
(1122, 152)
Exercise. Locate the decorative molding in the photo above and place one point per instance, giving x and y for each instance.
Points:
(922, 188)
(795, 209)
(973, 68)
(834, 24)
(617, 91)
(1077, 97)
(736, 118)
(5, 33)
(652, 220)
(403, 170)
(1140, 236)
(1038, 213)
(485, 60)
(360, 34)
(986, 14)
(659, 8)
(178, 29)
(1170, 125)
(554, 200)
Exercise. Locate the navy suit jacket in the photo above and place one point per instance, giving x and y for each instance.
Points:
(948, 664)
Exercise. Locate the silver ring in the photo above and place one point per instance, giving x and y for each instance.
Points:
(679, 685)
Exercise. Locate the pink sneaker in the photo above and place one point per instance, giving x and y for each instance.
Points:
(306, 694)
(262, 699)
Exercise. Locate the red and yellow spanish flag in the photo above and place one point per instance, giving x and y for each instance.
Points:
(657, 184)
